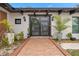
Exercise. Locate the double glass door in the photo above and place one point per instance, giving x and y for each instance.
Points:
(39, 25)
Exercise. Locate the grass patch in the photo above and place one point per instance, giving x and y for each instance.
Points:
(73, 52)
(67, 41)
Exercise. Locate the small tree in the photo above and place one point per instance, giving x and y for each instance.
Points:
(60, 26)
(7, 25)
(9, 30)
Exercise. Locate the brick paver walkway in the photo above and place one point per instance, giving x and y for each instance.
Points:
(40, 47)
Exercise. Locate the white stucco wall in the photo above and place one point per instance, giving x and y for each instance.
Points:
(53, 30)
(69, 29)
(23, 27)
(18, 27)
(25, 24)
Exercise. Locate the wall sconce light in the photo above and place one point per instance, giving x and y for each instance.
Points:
(21, 12)
(24, 18)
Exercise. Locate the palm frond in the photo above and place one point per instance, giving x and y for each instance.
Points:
(60, 25)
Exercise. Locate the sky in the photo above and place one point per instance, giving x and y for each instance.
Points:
(43, 5)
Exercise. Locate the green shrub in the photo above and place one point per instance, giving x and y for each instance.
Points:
(5, 41)
(56, 39)
(20, 35)
(15, 37)
(69, 35)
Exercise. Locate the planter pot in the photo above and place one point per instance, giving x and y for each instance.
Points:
(59, 35)
(72, 39)
(10, 37)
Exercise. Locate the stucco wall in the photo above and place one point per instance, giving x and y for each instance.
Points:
(23, 27)
(25, 24)
(17, 27)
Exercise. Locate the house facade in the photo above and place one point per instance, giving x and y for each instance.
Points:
(40, 21)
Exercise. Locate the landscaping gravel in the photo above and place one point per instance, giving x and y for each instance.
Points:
(70, 45)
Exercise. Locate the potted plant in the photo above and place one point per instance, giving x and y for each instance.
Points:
(20, 36)
(69, 35)
(9, 30)
(5, 42)
(60, 26)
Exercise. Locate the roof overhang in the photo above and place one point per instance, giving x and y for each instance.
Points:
(11, 9)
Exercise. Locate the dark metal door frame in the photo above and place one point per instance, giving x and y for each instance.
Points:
(49, 33)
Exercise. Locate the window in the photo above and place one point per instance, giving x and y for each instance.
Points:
(17, 21)
(75, 25)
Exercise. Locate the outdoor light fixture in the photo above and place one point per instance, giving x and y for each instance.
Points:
(21, 12)
(24, 18)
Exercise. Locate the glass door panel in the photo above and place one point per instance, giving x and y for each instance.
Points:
(35, 25)
(44, 25)
(39, 25)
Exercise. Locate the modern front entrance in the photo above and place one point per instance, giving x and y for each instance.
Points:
(40, 25)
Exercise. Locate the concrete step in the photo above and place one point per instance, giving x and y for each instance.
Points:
(40, 37)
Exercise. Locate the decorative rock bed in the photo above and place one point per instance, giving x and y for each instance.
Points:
(70, 45)
(6, 51)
